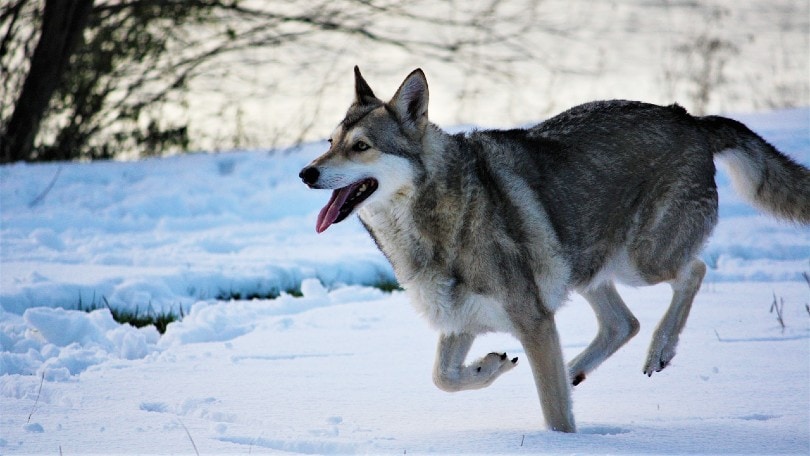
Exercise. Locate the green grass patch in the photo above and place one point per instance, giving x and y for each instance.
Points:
(385, 284)
(388, 285)
(272, 294)
(137, 317)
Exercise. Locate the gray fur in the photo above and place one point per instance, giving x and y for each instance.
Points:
(490, 230)
(767, 178)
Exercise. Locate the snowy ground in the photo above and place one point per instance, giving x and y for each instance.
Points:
(346, 368)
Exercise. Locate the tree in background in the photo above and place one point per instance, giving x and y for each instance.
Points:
(89, 80)
(63, 24)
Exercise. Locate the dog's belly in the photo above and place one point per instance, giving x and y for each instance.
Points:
(473, 314)
(617, 268)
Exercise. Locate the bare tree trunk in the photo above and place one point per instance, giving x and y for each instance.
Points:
(63, 22)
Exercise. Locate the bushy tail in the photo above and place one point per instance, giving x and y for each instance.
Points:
(767, 178)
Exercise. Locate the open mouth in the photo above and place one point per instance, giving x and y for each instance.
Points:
(343, 202)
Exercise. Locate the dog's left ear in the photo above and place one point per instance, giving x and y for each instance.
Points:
(411, 100)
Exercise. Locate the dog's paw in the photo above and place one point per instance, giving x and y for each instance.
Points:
(478, 374)
(658, 358)
(493, 365)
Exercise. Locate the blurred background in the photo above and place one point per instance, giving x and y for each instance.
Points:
(84, 79)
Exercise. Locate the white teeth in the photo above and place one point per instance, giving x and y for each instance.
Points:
(363, 188)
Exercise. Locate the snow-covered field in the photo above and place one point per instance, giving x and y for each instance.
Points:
(346, 367)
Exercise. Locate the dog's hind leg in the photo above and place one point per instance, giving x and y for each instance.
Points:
(617, 325)
(665, 339)
(451, 374)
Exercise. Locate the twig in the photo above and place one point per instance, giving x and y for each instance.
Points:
(47, 190)
(806, 276)
(778, 306)
(189, 436)
(36, 401)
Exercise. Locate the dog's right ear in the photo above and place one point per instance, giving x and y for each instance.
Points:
(362, 92)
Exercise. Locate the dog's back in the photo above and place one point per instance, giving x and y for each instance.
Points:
(623, 176)
(615, 177)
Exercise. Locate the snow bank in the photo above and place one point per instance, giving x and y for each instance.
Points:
(58, 343)
(62, 343)
(166, 233)
(217, 321)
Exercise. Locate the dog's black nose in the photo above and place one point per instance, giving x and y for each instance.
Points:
(309, 175)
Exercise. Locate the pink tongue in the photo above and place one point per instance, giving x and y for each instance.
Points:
(330, 212)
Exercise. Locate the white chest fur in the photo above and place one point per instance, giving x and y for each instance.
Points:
(429, 289)
(472, 314)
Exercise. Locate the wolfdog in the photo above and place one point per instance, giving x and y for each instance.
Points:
(490, 230)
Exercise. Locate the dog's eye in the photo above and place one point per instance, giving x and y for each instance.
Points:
(360, 146)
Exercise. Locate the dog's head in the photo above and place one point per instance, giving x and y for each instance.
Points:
(374, 152)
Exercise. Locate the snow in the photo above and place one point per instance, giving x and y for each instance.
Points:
(346, 368)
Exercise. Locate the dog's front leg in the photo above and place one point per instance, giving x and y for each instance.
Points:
(451, 374)
(542, 344)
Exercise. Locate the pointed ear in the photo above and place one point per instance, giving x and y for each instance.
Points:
(362, 92)
(411, 100)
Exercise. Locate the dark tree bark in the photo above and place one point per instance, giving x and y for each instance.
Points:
(63, 22)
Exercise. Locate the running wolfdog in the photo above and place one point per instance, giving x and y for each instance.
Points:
(490, 230)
